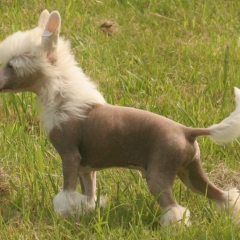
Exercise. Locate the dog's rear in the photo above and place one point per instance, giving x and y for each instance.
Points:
(92, 135)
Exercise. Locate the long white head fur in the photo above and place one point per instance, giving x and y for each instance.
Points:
(45, 60)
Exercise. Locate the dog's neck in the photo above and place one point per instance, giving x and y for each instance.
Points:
(62, 99)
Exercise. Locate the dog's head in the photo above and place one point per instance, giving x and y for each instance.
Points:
(27, 56)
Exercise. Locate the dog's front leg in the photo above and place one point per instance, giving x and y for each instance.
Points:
(70, 166)
(69, 201)
(88, 185)
(66, 142)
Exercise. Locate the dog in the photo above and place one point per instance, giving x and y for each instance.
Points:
(91, 135)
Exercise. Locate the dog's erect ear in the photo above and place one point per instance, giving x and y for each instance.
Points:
(43, 18)
(51, 32)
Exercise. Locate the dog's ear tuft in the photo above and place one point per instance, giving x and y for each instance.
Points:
(43, 18)
(51, 32)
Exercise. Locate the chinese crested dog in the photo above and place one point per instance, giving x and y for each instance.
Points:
(91, 135)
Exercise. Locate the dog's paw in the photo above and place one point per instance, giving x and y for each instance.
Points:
(176, 215)
(102, 201)
(68, 203)
(90, 204)
(231, 203)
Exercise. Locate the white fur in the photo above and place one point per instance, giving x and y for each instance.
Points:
(229, 128)
(67, 80)
(175, 215)
(71, 202)
(77, 94)
(22, 53)
(65, 92)
(68, 93)
(231, 203)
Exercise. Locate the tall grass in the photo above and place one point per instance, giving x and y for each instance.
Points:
(175, 58)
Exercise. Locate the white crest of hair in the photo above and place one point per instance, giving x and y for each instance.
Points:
(229, 128)
(21, 49)
(65, 92)
(68, 93)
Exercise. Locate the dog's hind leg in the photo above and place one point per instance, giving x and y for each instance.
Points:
(194, 178)
(160, 185)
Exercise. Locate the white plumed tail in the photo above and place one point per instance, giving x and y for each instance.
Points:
(229, 128)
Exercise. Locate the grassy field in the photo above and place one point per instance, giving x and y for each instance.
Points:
(177, 58)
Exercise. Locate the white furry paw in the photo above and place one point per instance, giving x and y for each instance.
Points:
(68, 203)
(71, 202)
(175, 215)
(231, 203)
(102, 201)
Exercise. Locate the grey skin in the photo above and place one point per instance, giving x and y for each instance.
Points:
(113, 136)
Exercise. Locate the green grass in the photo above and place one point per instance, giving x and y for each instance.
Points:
(176, 58)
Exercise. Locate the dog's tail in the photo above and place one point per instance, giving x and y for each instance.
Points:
(228, 129)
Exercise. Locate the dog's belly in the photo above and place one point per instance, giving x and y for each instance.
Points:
(88, 168)
(116, 156)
